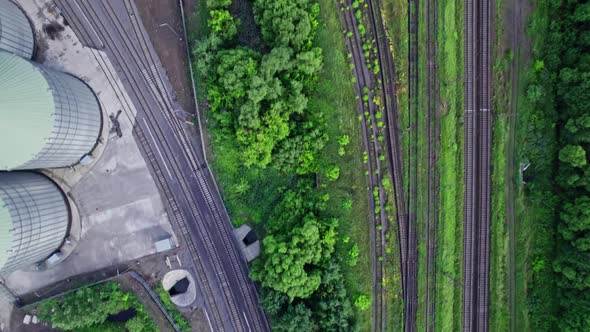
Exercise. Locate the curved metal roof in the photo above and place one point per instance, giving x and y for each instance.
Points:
(26, 111)
(5, 233)
(16, 33)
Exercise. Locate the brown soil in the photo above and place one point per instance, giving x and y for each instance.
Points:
(163, 23)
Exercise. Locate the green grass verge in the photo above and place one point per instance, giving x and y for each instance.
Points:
(336, 93)
(450, 226)
(181, 322)
(499, 241)
(499, 315)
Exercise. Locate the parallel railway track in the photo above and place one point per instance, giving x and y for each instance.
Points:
(413, 131)
(391, 149)
(185, 206)
(374, 167)
(478, 130)
(433, 134)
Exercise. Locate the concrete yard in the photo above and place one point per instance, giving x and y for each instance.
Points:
(120, 209)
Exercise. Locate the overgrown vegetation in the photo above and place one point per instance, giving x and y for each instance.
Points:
(284, 137)
(181, 322)
(87, 309)
(395, 19)
(556, 137)
(450, 165)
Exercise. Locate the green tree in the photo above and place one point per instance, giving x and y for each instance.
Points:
(362, 302)
(331, 308)
(287, 22)
(272, 301)
(573, 155)
(297, 318)
(289, 263)
(223, 23)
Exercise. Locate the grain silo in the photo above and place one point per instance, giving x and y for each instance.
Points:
(16, 34)
(52, 119)
(34, 219)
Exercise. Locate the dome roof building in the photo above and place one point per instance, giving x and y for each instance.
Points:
(50, 119)
(16, 34)
(34, 219)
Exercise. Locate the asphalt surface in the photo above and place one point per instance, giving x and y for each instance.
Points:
(188, 188)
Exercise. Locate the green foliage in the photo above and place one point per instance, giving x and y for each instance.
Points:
(262, 98)
(181, 322)
(573, 155)
(362, 302)
(287, 23)
(213, 4)
(353, 255)
(267, 117)
(331, 308)
(89, 307)
(556, 144)
(297, 247)
(272, 301)
(333, 172)
(222, 23)
(296, 318)
(362, 30)
(347, 204)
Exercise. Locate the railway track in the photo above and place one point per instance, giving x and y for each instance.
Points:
(211, 223)
(433, 146)
(413, 132)
(375, 168)
(392, 142)
(478, 130)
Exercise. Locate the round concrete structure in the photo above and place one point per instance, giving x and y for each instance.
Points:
(16, 34)
(185, 299)
(53, 118)
(34, 219)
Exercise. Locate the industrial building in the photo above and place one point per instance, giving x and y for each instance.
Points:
(34, 219)
(16, 35)
(52, 119)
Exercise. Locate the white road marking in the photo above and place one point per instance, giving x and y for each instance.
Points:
(208, 320)
(246, 319)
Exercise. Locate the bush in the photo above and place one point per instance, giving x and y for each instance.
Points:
(181, 322)
(362, 302)
(89, 307)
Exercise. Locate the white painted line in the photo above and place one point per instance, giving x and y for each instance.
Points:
(90, 25)
(246, 319)
(208, 320)
(157, 148)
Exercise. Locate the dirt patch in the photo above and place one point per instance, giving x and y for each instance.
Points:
(163, 23)
(199, 321)
(53, 30)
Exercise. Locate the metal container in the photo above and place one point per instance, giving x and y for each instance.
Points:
(52, 119)
(16, 34)
(34, 219)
